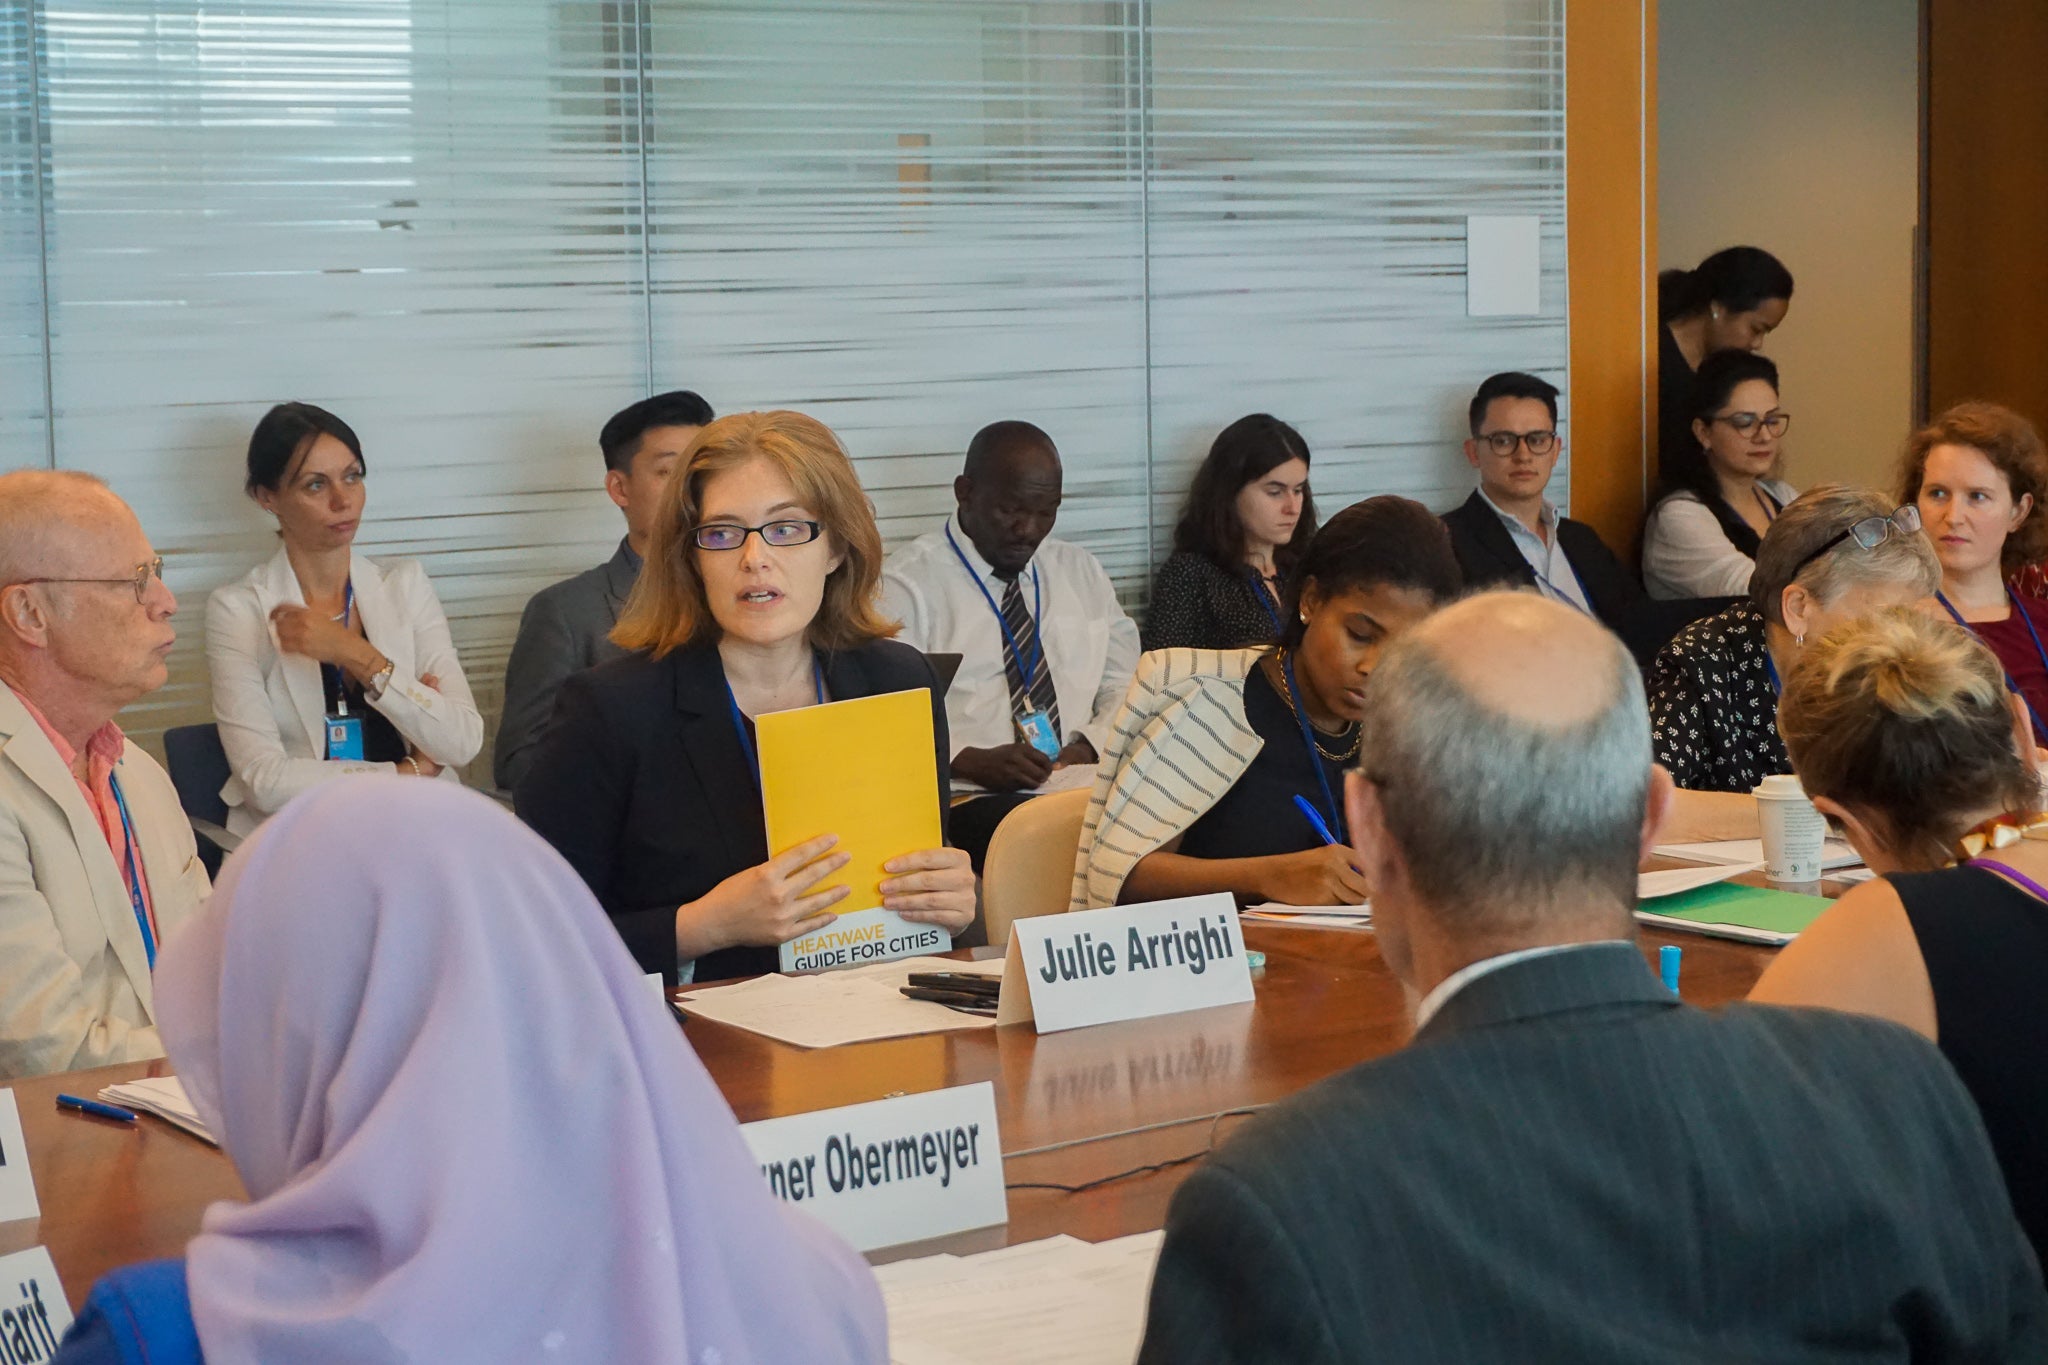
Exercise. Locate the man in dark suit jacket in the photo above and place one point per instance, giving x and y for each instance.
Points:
(565, 628)
(1507, 534)
(1568, 1164)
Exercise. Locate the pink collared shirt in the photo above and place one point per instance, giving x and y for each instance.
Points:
(102, 751)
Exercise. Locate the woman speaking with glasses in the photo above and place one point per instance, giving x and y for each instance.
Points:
(758, 595)
(1832, 556)
(1717, 496)
(323, 662)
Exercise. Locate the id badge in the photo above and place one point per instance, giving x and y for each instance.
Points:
(1037, 729)
(345, 737)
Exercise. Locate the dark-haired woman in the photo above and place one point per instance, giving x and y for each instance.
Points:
(1248, 515)
(1215, 753)
(323, 662)
(1718, 496)
(1730, 301)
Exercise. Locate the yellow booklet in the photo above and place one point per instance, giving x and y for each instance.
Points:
(863, 770)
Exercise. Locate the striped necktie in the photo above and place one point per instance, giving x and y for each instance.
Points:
(1025, 632)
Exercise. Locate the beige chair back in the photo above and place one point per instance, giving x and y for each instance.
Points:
(1030, 865)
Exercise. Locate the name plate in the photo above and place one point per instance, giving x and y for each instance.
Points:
(1126, 962)
(34, 1313)
(863, 937)
(890, 1171)
(17, 1186)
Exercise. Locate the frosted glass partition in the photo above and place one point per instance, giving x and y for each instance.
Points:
(477, 227)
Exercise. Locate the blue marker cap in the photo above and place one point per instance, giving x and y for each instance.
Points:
(1667, 965)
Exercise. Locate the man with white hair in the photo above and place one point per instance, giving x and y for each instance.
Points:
(97, 862)
(1568, 1164)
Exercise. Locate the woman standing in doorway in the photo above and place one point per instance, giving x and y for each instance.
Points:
(1730, 301)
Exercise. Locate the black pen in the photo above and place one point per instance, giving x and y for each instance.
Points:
(959, 1000)
(957, 981)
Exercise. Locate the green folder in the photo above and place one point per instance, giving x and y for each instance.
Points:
(1756, 914)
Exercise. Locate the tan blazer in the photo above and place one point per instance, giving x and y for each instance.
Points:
(271, 706)
(74, 976)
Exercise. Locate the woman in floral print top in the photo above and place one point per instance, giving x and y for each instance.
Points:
(1832, 555)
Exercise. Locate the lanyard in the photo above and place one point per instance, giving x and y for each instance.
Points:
(1029, 666)
(1265, 599)
(739, 719)
(134, 875)
(1315, 756)
(1771, 669)
(1991, 864)
(339, 684)
(1767, 502)
(2040, 653)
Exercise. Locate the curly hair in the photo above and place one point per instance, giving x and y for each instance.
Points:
(2014, 448)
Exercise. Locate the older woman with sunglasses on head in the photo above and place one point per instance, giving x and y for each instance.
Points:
(1832, 555)
(1717, 496)
(758, 595)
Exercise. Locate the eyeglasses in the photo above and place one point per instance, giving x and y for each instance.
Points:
(1504, 442)
(139, 581)
(1747, 422)
(726, 535)
(1870, 533)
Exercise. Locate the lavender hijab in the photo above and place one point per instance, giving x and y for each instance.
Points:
(467, 1128)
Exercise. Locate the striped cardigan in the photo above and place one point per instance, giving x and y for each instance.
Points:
(1179, 742)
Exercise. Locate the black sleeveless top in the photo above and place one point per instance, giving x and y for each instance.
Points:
(1985, 943)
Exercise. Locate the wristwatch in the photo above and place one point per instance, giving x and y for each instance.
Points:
(380, 680)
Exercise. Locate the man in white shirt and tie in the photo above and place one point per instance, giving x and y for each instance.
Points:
(1046, 650)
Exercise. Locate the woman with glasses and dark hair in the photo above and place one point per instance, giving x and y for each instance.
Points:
(758, 595)
(1978, 474)
(325, 662)
(1225, 769)
(1831, 556)
(1717, 495)
(1730, 301)
(1248, 517)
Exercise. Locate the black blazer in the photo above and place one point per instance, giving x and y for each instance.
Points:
(1489, 558)
(1568, 1165)
(641, 783)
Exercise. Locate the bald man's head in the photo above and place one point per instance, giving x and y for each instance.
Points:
(51, 520)
(1509, 743)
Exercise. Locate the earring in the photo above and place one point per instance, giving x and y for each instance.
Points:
(1304, 618)
(1799, 640)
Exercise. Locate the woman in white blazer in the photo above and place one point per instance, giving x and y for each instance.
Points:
(320, 632)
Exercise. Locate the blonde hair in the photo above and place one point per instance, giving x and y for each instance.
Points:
(669, 610)
(2012, 445)
(1905, 720)
(1813, 519)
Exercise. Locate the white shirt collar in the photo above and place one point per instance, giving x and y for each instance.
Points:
(1547, 518)
(982, 567)
(1471, 972)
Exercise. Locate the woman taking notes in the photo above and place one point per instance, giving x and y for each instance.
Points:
(1717, 496)
(758, 595)
(1225, 771)
(1901, 728)
(1978, 474)
(325, 663)
(481, 1138)
(1248, 517)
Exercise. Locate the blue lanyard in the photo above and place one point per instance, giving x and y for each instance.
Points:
(1265, 600)
(134, 875)
(1771, 670)
(1315, 755)
(1029, 666)
(739, 719)
(340, 684)
(2040, 653)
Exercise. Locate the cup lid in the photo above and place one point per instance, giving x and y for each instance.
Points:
(1780, 787)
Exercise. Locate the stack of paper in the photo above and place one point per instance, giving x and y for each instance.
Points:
(1835, 853)
(853, 1006)
(1313, 916)
(164, 1097)
(1750, 914)
(1057, 1302)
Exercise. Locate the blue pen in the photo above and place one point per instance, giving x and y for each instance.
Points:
(1667, 964)
(105, 1111)
(1315, 819)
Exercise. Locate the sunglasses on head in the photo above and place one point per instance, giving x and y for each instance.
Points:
(1869, 533)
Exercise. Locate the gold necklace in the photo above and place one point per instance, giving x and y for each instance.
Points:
(1356, 731)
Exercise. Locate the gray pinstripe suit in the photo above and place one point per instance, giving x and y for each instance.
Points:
(1568, 1165)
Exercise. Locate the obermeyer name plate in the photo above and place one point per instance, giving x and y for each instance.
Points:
(890, 1171)
(1127, 962)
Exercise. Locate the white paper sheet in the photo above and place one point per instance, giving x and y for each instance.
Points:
(1750, 853)
(836, 1008)
(1067, 778)
(1312, 916)
(163, 1096)
(1060, 1301)
(1672, 880)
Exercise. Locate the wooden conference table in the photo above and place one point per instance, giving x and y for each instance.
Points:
(1074, 1107)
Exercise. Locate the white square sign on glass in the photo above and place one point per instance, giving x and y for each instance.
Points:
(1126, 962)
(34, 1314)
(17, 1186)
(890, 1171)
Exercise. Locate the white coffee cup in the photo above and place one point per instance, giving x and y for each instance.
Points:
(1794, 832)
